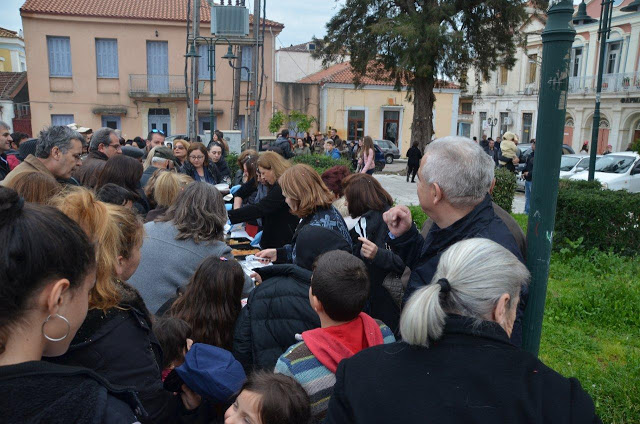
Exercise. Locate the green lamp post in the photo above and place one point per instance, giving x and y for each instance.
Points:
(557, 38)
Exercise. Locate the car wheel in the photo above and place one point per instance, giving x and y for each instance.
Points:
(389, 159)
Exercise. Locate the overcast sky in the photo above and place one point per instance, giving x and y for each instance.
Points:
(302, 19)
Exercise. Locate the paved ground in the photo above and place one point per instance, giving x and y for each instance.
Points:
(405, 193)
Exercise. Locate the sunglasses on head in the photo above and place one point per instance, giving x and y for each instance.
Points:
(157, 131)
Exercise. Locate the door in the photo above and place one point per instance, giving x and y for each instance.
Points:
(527, 122)
(603, 139)
(568, 135)
(158, 67)
(390, 125)
(355, 125)
(160, 119)
(204, 123)
(111, 122)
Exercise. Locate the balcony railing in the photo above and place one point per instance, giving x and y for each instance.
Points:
(141, 85)
(611, 83)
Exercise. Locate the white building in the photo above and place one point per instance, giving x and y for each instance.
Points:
(12, 56)
(295, 62)
(511, 95)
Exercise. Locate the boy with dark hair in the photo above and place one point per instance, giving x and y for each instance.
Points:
(338, 293)
(116, 195)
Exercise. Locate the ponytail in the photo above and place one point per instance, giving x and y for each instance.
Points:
(423, 317)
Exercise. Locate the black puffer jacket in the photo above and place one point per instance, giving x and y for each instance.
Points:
(276, 311)
(190, 170)
(120, 346)
(41, 392)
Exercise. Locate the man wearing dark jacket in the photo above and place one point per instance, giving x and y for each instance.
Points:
(528, 177)
(492, 151)
(5, 146)
(282, 145)
(453, 185)
(104, 144)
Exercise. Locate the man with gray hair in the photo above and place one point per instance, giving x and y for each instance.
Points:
(454, 181)
(104, 145)
(58, 152)
(5, 146)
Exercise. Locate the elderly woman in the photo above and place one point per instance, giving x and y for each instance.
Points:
(279, 225)
(455, 363)
(180, 148)
(46, 282)
(191, 230)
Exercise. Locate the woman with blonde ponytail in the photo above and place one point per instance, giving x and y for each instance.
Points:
(116, 339)
(456, 363)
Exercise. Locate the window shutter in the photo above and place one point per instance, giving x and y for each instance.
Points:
(107, 58)
(59, 52)
(247, 59)
(203, 62)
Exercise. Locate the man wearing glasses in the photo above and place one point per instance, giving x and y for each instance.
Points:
(5, 146)
(58, 153)
(104, 145)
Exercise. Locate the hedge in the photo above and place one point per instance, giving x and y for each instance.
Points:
(602, 219)
(232, 161)
(505, 188)
(321, 163)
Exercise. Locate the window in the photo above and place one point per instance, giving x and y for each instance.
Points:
(533, 69)
(107, 57)
(23, 66)
(203, 62)
(464, 129)
(465, 108)
(612, 58)
(504, 122)
(390, 125)
(59, 51)
(504, 75)
(111, 122)
(576, 61)
(312, 46)
(247, 60)
(527, 122)
(355, 124)
(61, 119)
(204, 123)
(483, 119)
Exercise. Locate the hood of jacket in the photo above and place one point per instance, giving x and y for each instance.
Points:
(333, 344)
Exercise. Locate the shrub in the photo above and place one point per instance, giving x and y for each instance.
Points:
(579, 184)
(505, 189)
(232, 161)
(418, 215)
(321, 162)
(605, 219)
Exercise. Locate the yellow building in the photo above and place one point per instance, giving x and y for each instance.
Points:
(376, 109)
(12, 56)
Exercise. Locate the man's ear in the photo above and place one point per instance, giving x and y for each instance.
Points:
(493, 185)
(437, 193)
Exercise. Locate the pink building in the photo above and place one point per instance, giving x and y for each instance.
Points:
(121, 64)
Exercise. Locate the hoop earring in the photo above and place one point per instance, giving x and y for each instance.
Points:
(51, 339)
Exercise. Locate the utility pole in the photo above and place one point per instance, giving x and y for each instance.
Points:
(237, 73)
(255, 136)
(193, 109)
(557, 38)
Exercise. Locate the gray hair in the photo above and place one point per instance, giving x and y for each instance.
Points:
(99, 137)
(479, 272)
(5, 125)
(147, 161)
(198, 213)
(59, 136)
(461, 168)
(156, 159)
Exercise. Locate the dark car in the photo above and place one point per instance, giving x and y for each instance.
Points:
(380, 159)
(389, 149)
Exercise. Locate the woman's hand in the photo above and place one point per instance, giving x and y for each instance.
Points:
(267, 255)
(369, 249)
(256, 277)
(190, 399)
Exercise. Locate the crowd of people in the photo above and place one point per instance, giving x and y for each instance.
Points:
(120, 291)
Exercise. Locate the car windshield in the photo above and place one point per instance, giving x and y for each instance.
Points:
(614, 164)
(567, 164)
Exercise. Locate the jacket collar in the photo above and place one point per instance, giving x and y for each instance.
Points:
(97, 155)
(461, 325)
(285, 270)
(38, 165)
(481, 216)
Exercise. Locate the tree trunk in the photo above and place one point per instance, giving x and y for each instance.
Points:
(423, 100)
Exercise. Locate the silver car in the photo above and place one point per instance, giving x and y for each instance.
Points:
(570, 165)
(389, 149)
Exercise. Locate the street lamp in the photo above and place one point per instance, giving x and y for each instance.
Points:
(211, 65)
(606, 11)
(492, 122)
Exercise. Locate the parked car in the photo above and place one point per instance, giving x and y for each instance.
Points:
(524, 150)
(572, 164)
(616, 171)
(380, 159)
(389, 149)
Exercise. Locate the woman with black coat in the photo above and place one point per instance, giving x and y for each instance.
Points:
(456, 363)
(115, 340)
(367, 201)
(199, 167)
(218, 158)
(414, 155)
(45, 286)
(277, 221)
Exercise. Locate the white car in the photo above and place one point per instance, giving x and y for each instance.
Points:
(572, 164)
(616, 171)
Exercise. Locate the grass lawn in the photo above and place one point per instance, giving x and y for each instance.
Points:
(591, 327)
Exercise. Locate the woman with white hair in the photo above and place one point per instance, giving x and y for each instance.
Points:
(455, 363)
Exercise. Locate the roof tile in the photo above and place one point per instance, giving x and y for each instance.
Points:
(9, 84)
(161, 10)
(7, 33)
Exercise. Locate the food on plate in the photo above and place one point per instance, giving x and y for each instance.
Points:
(243, 252)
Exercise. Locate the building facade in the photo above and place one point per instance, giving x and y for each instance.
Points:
(376, 109)
(12, 53)
(294, 63)
(508, 101)
(122, 65)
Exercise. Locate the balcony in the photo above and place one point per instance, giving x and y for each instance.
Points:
(611, 83)
(157, 86)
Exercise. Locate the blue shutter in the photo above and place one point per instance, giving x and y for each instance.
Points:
(107, 58)
(61, 119)
(203, 62)
(247, 59)
(59, 51)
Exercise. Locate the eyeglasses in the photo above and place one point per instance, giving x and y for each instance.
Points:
(116, 146)
(196, 157)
